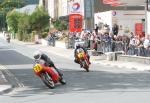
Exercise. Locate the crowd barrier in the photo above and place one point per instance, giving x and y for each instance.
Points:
(110, 46)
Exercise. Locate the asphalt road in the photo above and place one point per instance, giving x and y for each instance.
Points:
(101, 85)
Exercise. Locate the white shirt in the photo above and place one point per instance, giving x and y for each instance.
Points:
(146, 43)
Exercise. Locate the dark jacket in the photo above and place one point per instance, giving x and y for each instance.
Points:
(48, 61)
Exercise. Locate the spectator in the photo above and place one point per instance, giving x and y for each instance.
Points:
(140, 47)
(147, 45)
(96, 28)
(132, 45)
(115, 29)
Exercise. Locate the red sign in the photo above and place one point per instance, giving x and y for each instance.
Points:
(75, 23)
(139, 29)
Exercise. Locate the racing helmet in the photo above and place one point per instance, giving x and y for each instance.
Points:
(37, 55)
(78, 46)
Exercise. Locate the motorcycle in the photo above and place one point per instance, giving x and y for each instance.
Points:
(8, 38)
(48, 75)
(83, 60)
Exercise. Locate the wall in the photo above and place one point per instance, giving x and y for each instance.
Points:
(148, 23)
(63, 8)
(128, 19)
(124, 19)
(51, 8)
(104, 17)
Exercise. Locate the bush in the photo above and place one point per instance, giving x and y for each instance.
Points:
(27, 37)
(33, 36)
(44, 34)
(20, 35)
(60, 25)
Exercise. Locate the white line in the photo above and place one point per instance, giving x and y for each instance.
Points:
(11, 75)
(6, 49)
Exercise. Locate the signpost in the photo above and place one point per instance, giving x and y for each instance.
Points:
(75, 21)
(75, 17)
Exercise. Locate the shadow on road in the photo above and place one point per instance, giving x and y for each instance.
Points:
(80, 81)
(77, 80)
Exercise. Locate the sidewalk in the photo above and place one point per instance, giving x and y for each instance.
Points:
(69, 54)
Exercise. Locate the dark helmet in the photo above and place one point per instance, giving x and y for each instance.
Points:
(37, 55)
(78, 46)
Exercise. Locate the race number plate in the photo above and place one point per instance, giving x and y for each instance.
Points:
(38, 68)
(80, 55)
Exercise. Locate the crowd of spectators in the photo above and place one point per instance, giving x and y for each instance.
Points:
(104, 40)
(131, 44)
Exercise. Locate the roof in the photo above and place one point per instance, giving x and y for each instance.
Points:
(29, 9)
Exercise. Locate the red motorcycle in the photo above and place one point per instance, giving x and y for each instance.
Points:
(48, 75)
(83, 60)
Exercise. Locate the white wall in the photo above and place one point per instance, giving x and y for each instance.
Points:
(51, 8)
(126, 19)
(40, 2)
(104, 17)
(148, 23)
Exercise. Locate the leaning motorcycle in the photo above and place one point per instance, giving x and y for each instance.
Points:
(83, 60)
(48, 75)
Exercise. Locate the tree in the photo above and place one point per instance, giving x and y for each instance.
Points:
(13, 20)
(39, 19)
(60, 25)
(9, 5)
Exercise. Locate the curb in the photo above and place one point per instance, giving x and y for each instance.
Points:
(6, 89)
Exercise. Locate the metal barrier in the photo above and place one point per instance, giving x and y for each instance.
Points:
(70, 42)
(110, 46)
(113, 46)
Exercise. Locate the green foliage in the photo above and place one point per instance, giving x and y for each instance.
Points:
(60, 25)
(44, 34)
(33, 36)
(23, 24)
(39, 19)
(12, 20)
(20, 35)
(7, 6)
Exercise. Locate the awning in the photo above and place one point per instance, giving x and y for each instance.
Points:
(125, 2)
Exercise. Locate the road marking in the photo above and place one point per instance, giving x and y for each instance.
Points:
(5, 49)
(3, 68)
(1, 74)
(20, 66)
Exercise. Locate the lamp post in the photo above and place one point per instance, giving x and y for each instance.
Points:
(50, 21)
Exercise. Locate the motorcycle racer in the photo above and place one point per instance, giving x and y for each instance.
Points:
(38, 55)
(77, 50)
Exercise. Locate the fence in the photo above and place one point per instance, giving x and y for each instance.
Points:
(110, 46)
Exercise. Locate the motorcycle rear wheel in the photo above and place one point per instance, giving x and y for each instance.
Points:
(62, 81)
(47, 80)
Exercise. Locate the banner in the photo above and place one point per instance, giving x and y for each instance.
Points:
(75, 7)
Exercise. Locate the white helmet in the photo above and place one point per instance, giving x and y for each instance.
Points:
(37, 55)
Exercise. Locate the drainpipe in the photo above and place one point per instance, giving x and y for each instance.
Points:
(146, 7)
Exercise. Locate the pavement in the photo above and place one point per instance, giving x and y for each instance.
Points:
(68, 53)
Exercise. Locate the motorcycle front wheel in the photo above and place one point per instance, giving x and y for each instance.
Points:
(85, 65)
